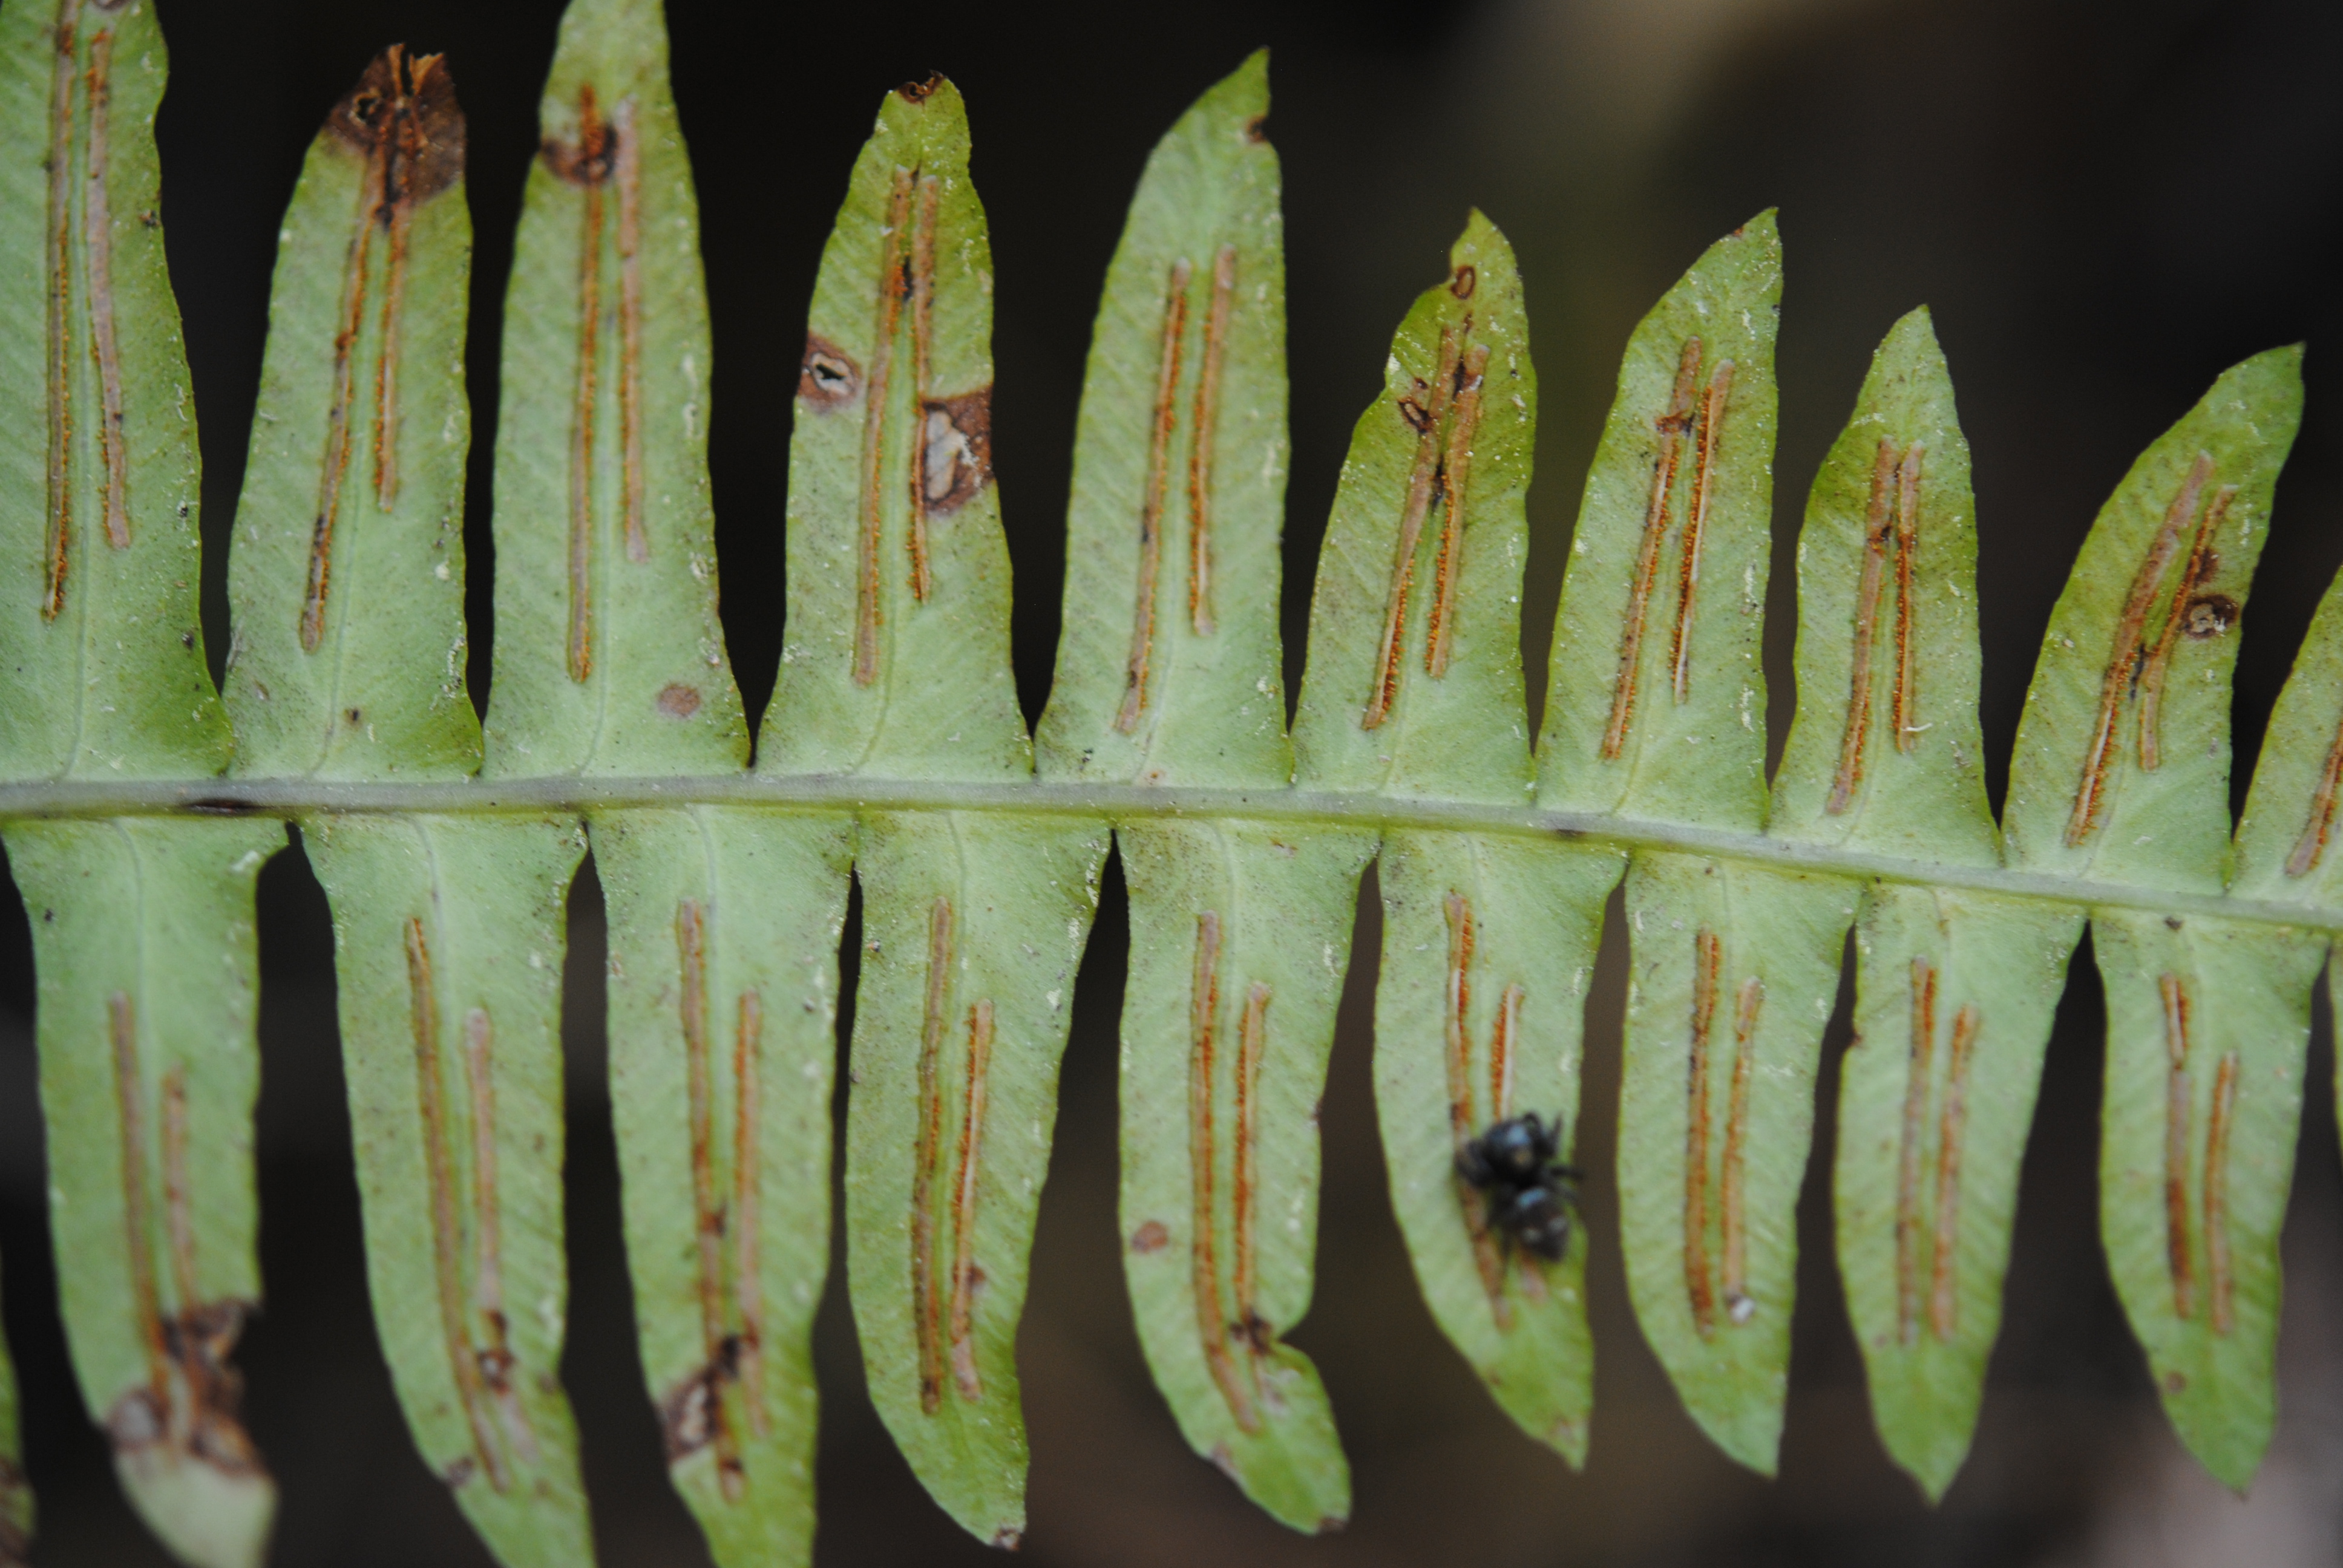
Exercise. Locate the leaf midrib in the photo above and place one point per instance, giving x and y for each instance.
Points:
(293, 797)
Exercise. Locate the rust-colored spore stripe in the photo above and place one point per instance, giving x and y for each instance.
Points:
(488, 1243)
(178, 1199)
(1457, 468)
(593, 159)
(337, 459)
(446, 1221)
(138, 1224)
(747, 1172)
(1252, 1039)
(1420, 481)
(1908, 553)
(627, 168)
(927, 1300)
(923, 298)
(2177, 1255)
(1733, 1223)
(97, 258)
(1204, 1244)
(1150, 505)
(1943, 1315)
(57, 553)
(400, 147)
(2116, 683)
(2201, 565)
(700, 1078)
(965, 1273)
(1854, 739)
(2311, 847)
(874, 432)
(1712, 422)
(1461, 1122)
(1919, 1062)
(1205, 417)
(1502, 1036)
(1672, 424)
(1707, 958)
(2216, 1191)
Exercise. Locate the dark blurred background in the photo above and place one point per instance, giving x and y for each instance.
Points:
(2106, 202)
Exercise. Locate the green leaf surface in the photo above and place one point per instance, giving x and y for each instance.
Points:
(347, 574)
(2207, 1022)
(1955, 993)
(1886, 753)
(724, 929)
(973, 924)
(1734, 971)
(1480, 1015)
(1414, 679)
(895, 660)
(1168, 666)
(98, 468)
(1239, 939)
(16, 1509)
(2121, 772)
(608, 654)
(447, 939)
(148, 988)
(1656, 705)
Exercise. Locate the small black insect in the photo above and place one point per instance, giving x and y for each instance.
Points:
(1514, 1166)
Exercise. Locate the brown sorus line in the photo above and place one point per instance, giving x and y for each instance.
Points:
(1854, 739)
(2216, 1190)
(2310, 849)
(446, 1223)
(1205, 417)
(2115, 681)
(1150, 505)
(1204, 1246)
(1733, 1223)
(2202, 564)
(1501, 1054)
(1952, 1121)
(874, 431)
(593, 166)
(1918, 1065)
(495, 1357)
(1712, 421)
(1672, 424)
(708, 1209)
(2177, 1256)
(748, 1169)
(1455, 476)
(1907, 552)
(178, 1203)
(420, 144)
(59, 547)
(1707, 957)
(1252, 1031)
(965, 1273)
(923, 292)
(138, 1227)
(627, 168)
(927, 1302)
(97, 258)
(1420, 481)
(338, 413)
(1459, 910)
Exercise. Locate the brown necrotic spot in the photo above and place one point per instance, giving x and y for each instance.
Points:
(826, 376)
(956, 451)
(2209, 615)
(1253, 131)
(920, 92)
(1466, 279)
(1152, 1237)
(678, 700)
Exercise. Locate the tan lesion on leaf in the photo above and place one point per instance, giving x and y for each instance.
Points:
(402, 119)
(2118, 682)
(1952, 1123)
(1204, 421)
(1163, 419)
